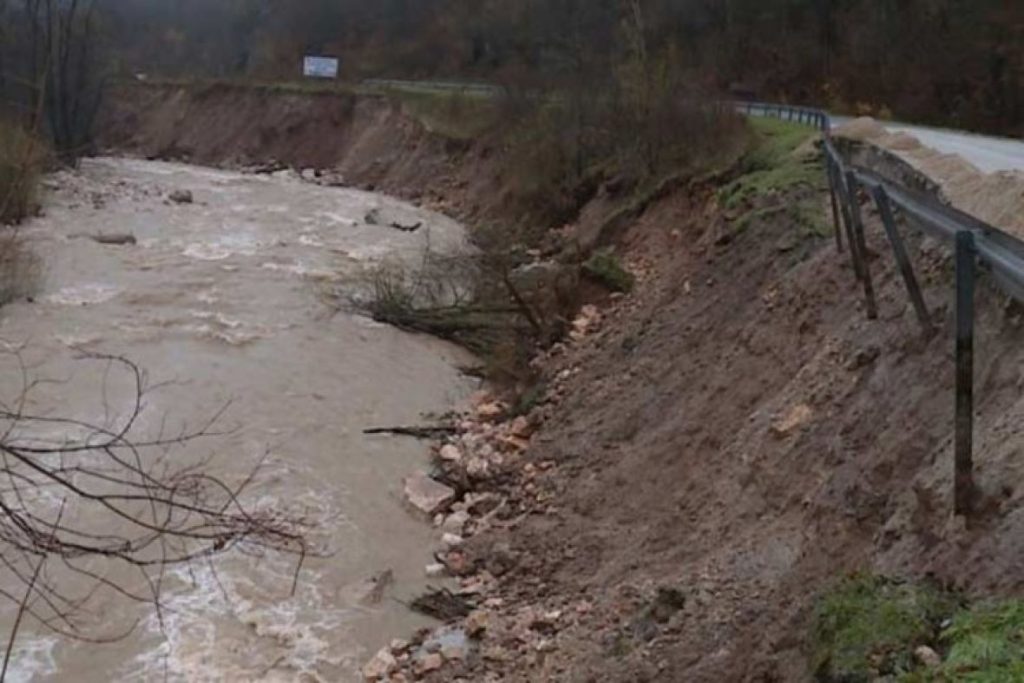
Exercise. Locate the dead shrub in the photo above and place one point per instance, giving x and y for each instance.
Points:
(20, 268)
(471, 299)
(562, 145)
(22, 160)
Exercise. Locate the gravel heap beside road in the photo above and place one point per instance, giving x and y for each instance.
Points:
(996, 198)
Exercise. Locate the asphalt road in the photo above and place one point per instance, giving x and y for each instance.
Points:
(989, 154)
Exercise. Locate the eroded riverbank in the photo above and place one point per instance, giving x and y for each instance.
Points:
(219, 300)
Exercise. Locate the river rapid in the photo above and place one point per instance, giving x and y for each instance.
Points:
(222, 303)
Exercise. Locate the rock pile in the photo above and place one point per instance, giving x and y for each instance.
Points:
(481, 480)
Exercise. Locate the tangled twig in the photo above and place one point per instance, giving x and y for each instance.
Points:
(103, 496)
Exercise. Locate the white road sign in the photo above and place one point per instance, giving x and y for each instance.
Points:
(320, 67)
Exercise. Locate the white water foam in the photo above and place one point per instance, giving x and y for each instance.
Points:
(82, 295)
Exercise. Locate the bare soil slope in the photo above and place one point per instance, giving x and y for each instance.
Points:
(737, 434)
(365, 141)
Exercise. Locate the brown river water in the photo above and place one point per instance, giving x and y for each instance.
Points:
(221, 302)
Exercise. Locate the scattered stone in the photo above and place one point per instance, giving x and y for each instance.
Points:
(427, 495)
(457, 563)
(585, 322)
(309, 174)
(478, 468)
(864, 358)
(501, 560)
(451, 642)
(428, 663)
(799, 416)
(521, 427)
(382, 665)
(436, 570)
(928, 657)
(455, 523)
(450, 541)
(491, 412)
(667, 602)
(450, 453)
(482, 503)
(476, 623)
(399, 645)
(181, 197)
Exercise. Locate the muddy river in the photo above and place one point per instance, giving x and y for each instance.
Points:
(222, 302)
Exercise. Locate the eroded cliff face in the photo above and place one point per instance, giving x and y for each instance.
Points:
(363, 141)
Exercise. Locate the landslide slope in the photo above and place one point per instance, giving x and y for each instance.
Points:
(737, 434)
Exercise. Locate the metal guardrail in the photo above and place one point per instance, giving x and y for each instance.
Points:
(974, 243)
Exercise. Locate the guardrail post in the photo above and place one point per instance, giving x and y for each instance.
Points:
(830, 168)
(844, 207)
(964, 490)
(860, 245)
(902, 259)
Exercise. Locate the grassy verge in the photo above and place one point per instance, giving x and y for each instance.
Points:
(453, 115)
(781, 165)
(605, 268)
(871, 628)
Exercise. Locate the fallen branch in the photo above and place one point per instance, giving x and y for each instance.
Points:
(415, 432)
(441, 604)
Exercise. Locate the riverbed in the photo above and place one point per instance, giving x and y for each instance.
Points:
(230, 302)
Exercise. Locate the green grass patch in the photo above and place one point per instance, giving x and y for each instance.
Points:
(780, 164)
(869, 627)
(454, 115)
(605, 268)
(282, 87)
(986, 643)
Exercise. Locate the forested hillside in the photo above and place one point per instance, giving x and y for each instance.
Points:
(955, 62)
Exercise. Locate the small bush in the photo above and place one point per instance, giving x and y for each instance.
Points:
(869, 627)
(986, 643)
(454, 115)
(605, 268)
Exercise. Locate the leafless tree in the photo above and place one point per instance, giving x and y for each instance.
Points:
(80, 508)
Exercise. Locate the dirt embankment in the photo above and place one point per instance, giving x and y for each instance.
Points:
(716, 450)
(368, 142)
(708, 453)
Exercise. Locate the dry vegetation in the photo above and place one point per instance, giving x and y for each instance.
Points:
(82, 501)
(22, 159)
